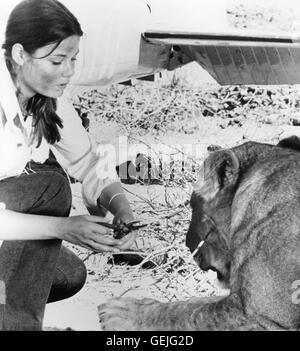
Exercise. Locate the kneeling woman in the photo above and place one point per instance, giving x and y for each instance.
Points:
(40, 49)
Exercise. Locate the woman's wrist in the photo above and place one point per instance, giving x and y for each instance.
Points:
(114, 199)
(61, 227)
(109, 194)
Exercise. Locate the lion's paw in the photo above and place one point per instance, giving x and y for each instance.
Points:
(124, 314)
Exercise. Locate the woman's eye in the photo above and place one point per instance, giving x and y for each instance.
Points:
(56, 63)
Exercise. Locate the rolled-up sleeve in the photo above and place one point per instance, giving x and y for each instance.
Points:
(81, 157)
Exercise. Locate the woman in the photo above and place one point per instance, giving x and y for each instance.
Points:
(40, 49)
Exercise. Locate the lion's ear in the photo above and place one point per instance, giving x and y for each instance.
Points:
(226, 167)
(220, 170)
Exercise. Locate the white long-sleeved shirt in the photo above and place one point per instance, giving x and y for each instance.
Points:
(76, 151)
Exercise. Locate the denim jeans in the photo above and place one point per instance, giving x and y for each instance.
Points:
(33, 273)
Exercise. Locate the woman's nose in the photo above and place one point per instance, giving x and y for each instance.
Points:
(69, 70)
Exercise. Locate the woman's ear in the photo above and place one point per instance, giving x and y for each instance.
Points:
(18, 54)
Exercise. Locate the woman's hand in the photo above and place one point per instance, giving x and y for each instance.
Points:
(125, 216)
(86, 231)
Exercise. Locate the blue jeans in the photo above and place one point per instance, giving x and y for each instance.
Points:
(33, 273)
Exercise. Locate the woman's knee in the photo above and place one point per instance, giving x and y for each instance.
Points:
(45, 193)
(55, 198)
(59, 196)
(67, 285)
(70, 276)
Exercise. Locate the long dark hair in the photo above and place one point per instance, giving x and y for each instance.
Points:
(34, 24)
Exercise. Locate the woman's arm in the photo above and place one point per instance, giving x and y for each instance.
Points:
(101, 190)
(19, 226)
(80, 230)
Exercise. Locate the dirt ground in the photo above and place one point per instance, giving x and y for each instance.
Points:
(206, 117)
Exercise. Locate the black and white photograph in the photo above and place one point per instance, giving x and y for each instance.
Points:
(149, 166)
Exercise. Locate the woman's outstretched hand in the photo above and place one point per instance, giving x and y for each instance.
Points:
(87, 231)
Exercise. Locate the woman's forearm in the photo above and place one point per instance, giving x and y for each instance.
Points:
(86, 231)
(20, 226)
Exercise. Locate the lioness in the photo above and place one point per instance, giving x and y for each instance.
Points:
(246, 217)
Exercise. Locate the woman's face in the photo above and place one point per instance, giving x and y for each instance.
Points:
(49, 75)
